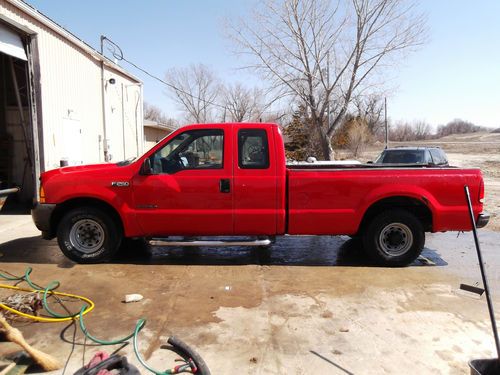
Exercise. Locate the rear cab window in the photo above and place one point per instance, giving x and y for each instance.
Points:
(253, 149)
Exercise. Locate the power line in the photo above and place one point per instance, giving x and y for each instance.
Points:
(117, 53)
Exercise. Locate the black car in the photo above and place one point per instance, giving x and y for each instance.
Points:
(413, 155)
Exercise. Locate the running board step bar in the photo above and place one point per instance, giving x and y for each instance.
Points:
(162, 242)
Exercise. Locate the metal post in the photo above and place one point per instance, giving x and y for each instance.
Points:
(328, 88)
(483, 273)
(386, 127)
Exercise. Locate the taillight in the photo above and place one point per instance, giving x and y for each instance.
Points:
(481, 192)
(41, 195)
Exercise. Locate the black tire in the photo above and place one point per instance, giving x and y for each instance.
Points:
(394, 238)
(88, 235)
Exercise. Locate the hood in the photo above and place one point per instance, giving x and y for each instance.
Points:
(77, 170)
(89, 167)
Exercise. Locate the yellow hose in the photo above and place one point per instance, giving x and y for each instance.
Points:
(89, 308)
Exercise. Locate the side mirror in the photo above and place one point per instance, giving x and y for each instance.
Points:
(146, 167)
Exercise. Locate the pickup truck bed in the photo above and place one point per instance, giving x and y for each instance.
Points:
(319, 197)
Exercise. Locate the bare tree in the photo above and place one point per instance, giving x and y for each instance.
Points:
(405, 131)
(401, 131)
(422, 130)
(324, 52)
(371, 109)
(196, 90)
(458, 126)
(242, 103)
(358, 136)
(154, 113)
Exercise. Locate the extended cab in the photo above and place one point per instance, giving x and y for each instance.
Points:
(232, 180)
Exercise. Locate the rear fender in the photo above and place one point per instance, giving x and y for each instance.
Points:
(390, 191)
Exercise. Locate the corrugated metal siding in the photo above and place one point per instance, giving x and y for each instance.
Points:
(71, 89)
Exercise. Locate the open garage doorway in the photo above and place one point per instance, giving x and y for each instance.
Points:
(17, 161)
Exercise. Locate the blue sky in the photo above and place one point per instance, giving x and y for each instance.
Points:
(455, 75)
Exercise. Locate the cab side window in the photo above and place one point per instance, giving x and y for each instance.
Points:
(195, 149)
(253, 149)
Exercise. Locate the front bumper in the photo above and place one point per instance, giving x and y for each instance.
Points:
(41, 215)
(482, 220)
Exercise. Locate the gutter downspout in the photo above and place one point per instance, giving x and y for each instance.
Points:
(103, 96)
(123, 124)
(138, 99)
(140, 120)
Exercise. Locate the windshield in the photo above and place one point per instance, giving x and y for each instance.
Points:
(402, 157)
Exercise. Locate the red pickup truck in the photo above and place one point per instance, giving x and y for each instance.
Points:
(232, 180)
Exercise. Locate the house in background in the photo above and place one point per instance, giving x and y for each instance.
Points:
(61, 101)
(155, 132)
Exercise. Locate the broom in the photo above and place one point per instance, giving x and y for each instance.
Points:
(47, 362)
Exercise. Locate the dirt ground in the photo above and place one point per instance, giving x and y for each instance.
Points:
(311, 305)
(481, 150)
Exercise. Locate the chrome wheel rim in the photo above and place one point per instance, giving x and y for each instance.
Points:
(87, 236)
(395, 239)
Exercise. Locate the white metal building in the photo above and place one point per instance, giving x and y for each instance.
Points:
(60, 101)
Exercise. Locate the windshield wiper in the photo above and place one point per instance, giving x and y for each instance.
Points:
(126, 162)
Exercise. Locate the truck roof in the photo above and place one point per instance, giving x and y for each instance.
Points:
(227, 124)
(411, 148)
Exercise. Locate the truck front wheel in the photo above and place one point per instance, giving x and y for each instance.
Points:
(88, 235)
(394, 238)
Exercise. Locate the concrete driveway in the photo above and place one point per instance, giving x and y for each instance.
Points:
(311, 305)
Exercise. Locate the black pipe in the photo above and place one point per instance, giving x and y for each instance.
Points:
(483, 273)
(185, 349)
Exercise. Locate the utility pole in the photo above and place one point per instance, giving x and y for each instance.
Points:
(328, 88)
(386, 127)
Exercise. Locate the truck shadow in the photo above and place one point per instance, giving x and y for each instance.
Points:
(33, 250)
(287, 251)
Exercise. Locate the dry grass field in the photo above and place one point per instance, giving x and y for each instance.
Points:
(480, 150)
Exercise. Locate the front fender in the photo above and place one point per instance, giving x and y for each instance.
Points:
(118, 197)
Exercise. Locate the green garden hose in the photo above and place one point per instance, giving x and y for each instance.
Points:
(56, 317)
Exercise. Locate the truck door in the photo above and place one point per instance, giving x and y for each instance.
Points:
(190, 189)
(255, 190)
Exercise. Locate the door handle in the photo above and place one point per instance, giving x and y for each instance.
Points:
(224, 185)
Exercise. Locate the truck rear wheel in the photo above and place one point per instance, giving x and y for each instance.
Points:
(394, 238)
(88, 235)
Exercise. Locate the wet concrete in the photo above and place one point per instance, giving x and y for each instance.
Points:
(308, 303)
